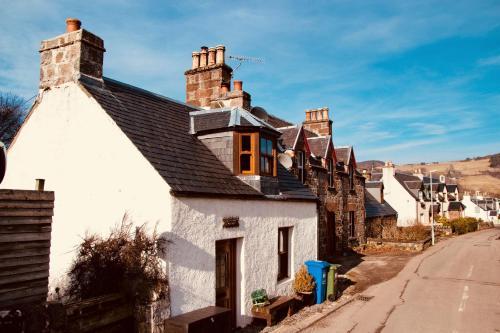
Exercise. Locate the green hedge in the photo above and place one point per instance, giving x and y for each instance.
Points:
(463, 225)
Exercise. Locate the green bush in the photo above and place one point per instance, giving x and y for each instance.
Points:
(463, 225)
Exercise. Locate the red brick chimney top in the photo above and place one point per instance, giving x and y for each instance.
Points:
(238, 85)
(73, 24)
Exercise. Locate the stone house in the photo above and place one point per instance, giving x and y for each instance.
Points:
(210, 180)
(330, 174)
(379, 214)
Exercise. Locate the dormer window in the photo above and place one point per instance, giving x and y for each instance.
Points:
(254, 155)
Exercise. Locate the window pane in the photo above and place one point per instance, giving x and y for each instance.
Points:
(262, 163)
(245, 162)
(280, 242)
(271, 164)
(263, 145)
(245, 143)
(269, 147)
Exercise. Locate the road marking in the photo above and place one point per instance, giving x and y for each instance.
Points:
(465, 297)
(470, 271)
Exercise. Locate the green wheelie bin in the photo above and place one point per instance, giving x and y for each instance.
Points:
(331, 287)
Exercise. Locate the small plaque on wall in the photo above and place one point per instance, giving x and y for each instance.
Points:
(231, 222)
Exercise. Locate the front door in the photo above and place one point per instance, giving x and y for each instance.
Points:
(332, 237)
(225, 276)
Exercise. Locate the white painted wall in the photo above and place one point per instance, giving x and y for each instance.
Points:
(473, 210)
(397, 196)
(96, 172)
(197, 224)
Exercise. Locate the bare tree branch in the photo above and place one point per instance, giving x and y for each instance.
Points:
(12, 113)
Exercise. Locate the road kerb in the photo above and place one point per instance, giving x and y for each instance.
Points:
(311, 320)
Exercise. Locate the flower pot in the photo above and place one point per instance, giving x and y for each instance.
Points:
(306, 298)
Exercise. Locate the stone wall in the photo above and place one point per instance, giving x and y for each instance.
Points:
(337, 200)
(65, 57)
(416, 246)
(375, 225)
(221, 145)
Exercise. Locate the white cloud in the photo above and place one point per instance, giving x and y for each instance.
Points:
(490, 61)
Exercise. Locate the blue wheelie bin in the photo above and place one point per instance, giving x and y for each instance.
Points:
(319, 271)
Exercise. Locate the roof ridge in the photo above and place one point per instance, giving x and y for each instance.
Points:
(146, 91)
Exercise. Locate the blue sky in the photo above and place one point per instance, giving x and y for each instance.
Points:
(407, 81)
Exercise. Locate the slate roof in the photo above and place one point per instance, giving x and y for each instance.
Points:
(290, 187)
(159, 128)
(410, 183)
(277, 122)
(373, 184)
(289, 136)
(451, 187)
(376, 209)
(456, 206)
(377, 176)
(319, 145)
(343, 154)
(217, 119)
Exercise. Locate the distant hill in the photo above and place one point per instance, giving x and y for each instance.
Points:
(471, 174)
(368, 165)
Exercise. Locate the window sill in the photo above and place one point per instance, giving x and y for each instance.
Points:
(284, 280)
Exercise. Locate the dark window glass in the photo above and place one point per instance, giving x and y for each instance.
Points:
(351, 177)
(246, 143)
(245, 162)
(300, 166)
(266, 156)
(352, 230)
(330, 173)
(283, 251)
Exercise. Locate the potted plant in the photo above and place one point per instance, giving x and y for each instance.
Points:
(303, 285)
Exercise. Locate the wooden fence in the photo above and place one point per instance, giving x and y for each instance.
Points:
(25, 229)
(108, 313)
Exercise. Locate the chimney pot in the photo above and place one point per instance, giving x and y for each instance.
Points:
(73, 24)
(224, 88)
(238, 85)
(203, 56)
(325, 113)
(211, 56)
(220, 49)
(196, 60)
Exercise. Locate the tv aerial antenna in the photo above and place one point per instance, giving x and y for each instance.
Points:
(242, 59)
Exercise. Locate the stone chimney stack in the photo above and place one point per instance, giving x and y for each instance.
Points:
(318, 121)
(208, 82)
(65, 57)
(206, 76)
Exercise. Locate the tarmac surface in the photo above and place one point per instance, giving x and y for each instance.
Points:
(452, 287)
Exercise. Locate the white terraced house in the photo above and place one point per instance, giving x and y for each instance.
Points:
(236, 220)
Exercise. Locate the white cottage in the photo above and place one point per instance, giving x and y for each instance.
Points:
(403, 193)
(210, 180)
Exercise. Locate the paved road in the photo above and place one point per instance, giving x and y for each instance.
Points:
(453, 287)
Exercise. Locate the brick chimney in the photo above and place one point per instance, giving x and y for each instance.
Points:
(208, 82)
(318, 121)
(65, 57)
